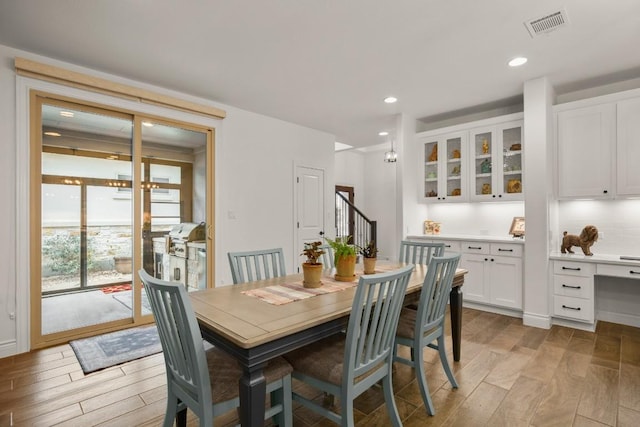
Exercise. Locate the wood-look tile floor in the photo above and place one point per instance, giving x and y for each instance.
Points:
(509, 375)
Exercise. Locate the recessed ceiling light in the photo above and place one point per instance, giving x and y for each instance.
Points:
(383, 133)
(52, 134)
(67, 113)
(147, 124)
(518, 61)
(390, 99)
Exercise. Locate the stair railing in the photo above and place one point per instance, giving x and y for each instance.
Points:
(350, 221)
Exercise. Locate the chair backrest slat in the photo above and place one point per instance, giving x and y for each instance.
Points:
(435, 291)
(250, 266)
(374, 320)
(327, 257)
(419, 252)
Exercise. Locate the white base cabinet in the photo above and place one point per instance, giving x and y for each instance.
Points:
(494, 273)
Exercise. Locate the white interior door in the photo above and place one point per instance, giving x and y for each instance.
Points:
(309, 208)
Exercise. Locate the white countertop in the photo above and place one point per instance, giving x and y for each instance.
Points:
(467, 238)
(595, 258)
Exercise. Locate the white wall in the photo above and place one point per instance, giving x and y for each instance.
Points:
(255, 157)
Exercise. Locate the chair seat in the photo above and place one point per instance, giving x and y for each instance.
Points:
(407, 322)
(227, 373)
(323, 359)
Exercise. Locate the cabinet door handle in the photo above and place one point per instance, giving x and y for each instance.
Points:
(572, 268)
(492, 260)
(475, 247)
(605, 192)
(505, 250)
(571, 308)
(634, 272)
(571, 287)
(447, 246)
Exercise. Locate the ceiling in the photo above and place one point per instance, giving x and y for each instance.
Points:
(328, 64)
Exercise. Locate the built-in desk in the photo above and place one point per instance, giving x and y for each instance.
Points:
(573, 280)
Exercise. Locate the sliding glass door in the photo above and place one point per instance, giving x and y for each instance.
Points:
(93, 229)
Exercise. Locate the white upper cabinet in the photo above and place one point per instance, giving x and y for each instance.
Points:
(479, 161)
(585, 142)
(598, 148)
(496, 162)
(628, 147)
(445, 168)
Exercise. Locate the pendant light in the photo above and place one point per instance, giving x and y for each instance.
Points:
(391, 156)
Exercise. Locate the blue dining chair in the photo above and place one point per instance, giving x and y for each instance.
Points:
(250, 266)
(328, 258)
(419, 252)
(346, 365)
(204, 381)
(420, 328)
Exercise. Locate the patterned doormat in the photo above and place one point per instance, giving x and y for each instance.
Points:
(114, 348)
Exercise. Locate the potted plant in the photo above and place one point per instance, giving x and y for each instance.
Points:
(312, 268)
(369, 254)
(345, 258)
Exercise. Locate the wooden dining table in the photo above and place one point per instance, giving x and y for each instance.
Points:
(255, 331)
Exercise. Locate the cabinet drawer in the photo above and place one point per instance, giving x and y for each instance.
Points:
(573, 308)
(628, 271)
(450, 246)
(476, 247)
(573, 286)
(574, 268)
(506, 249)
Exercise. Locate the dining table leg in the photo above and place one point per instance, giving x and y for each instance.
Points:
(253, 389)
(455, 306)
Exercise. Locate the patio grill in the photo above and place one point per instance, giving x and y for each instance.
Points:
(176, 243)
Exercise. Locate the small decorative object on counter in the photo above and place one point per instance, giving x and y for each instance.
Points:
(485, 146)
(432, 194)
(456, 192)
(517, 226)
(436, 228)
(428, 227)
(455, 154)
(455, 171)
(585, 240)
(486, 188)
(515, 147)
(431, 175)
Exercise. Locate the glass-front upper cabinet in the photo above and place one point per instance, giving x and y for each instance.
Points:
(445, 159)
(497, 162)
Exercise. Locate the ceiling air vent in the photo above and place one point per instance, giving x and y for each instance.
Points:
(546, 24)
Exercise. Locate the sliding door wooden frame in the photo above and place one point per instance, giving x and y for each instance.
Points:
(37, 99)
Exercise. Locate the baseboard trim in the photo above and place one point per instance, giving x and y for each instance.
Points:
(537, 320)
(8, 348)
(621, 318)
(493, 309)
(591, 327)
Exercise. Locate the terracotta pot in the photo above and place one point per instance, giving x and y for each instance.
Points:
(369, 265)
(312, 274)
(346, 268)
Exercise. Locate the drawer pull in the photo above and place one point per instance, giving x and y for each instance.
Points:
(447, 246)
(572, 268)
(475, 247)
(634, 272)
(505, 250)
(571, 308)
(572, 287)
